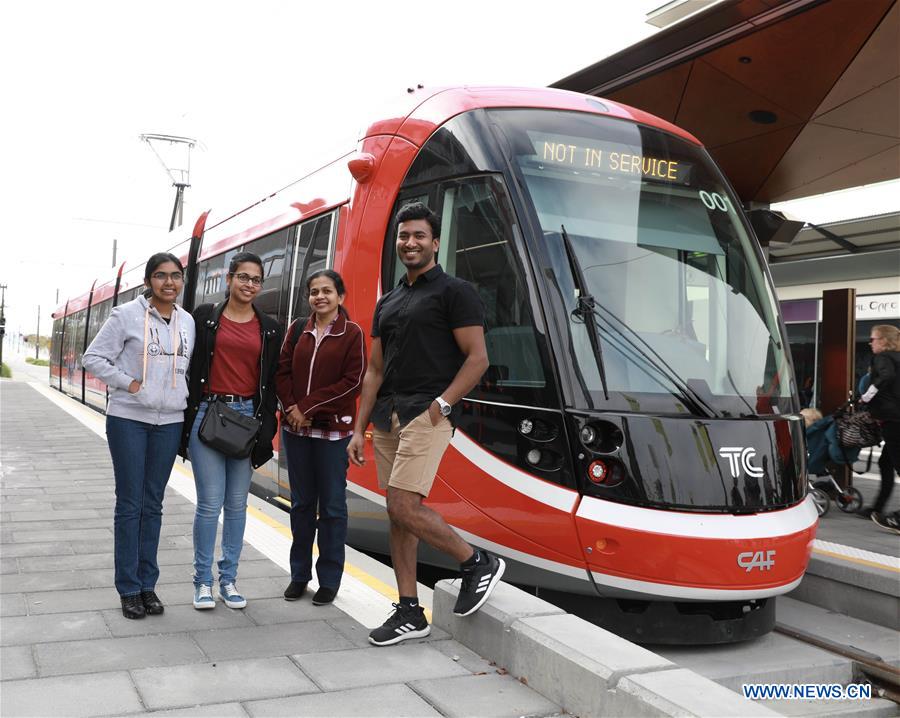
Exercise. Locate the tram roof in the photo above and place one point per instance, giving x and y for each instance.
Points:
(792, 98)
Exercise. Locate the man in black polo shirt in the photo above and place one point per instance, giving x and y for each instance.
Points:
(427, 353)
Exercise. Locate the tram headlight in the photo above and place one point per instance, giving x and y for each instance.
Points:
(588, 435)
(526, 426)
(533, 457)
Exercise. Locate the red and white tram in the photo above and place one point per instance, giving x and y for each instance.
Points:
(635, 439)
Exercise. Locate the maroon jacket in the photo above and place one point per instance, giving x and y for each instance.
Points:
(323, 382)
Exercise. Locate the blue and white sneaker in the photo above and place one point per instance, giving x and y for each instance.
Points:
(203, 598)
(230, 595)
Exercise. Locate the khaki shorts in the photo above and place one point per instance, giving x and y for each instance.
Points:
(407, 458)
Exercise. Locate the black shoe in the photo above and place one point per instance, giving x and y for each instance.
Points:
(324, 596)
(891, 522)
(406, 622)
(477, 584)
(294, 590)
(152, 605)
(133, 607)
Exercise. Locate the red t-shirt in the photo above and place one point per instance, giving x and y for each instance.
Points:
(235, 361)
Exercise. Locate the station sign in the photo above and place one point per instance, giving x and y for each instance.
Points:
(878, 306)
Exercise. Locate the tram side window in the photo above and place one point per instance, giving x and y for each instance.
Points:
(56, 346)
(211, 279)
(312, 255)
(99, 315)
(272, 251)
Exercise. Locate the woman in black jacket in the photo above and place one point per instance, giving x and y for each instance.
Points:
(883, 398)
(234, 360)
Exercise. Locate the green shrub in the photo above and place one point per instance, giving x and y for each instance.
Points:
(40, 362)
(5, 372)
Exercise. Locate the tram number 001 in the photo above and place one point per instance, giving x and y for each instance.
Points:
(714, 201)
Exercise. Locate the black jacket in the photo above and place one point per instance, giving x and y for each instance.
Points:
(885, 373)
(206, 321)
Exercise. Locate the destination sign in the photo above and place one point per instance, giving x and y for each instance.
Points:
(582, 153)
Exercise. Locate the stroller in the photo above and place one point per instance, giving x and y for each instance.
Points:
(826, 456)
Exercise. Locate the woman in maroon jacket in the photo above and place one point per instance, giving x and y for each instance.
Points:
(319, 376)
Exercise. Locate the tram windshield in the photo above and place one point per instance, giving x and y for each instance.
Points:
(684, 315)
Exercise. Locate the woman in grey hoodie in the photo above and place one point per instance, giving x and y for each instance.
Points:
(142, 352)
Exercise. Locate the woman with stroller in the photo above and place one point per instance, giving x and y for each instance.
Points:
(883, 399)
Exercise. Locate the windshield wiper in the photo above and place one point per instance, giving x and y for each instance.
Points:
(585, 307)
(659, 364)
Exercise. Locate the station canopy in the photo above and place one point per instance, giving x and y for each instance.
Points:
(792, 98)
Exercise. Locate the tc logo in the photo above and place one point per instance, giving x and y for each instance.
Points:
(739, 456)
(763, 560)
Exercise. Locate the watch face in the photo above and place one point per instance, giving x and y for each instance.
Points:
(446, 409)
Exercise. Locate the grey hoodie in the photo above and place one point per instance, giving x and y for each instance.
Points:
(136, 339)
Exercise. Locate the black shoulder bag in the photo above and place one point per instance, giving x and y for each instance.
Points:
(226, 430)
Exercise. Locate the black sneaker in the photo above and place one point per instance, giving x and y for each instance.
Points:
(477, 584)
(406, 622)
(891, 522)
(294, 590)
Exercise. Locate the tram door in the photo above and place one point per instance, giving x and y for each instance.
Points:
(313, 250)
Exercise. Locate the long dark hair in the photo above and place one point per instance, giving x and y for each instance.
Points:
(338, 282)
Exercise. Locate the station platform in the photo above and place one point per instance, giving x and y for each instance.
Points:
(67, 650)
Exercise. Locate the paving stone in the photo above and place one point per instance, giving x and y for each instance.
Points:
(20, 630)
(87, 599)
(83, 562)
(50, 515)
(71, 696)
(218, 710)
(362, 667)
(16, 662)
(274, 640)
(352, 630)
(57, 548)
(390, 701)
(12, 604)
(108, 654)
(223, 681)
(464, 656)
(62, 535)
(277, 610)
(49, 581)
(175, 620)
(490, 696)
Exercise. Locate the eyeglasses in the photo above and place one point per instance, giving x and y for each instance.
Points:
(247, 279)
(163, 276)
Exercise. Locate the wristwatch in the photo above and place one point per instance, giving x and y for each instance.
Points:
(445, 407)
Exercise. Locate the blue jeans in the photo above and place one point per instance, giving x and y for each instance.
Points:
(222, 483)
(317, 471)
(142, 456)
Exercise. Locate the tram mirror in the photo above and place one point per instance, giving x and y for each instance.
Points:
(773, 227)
